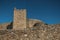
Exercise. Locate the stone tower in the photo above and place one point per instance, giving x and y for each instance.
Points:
(19, 21)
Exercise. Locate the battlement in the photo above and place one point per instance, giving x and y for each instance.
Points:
(19, 10)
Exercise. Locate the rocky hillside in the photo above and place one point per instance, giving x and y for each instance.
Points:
(44, 32)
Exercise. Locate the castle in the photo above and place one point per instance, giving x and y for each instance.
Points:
(20, 21)
(23, 28)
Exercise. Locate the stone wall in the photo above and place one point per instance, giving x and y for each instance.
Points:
(4, 26)
(33, 22)
(19, 21)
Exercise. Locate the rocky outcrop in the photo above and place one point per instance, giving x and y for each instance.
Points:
(46, 32)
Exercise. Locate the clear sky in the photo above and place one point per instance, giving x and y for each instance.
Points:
(46, 10)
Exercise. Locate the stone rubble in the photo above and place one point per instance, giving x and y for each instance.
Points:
(46, 32)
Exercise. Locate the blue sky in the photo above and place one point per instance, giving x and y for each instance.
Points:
(46, 10)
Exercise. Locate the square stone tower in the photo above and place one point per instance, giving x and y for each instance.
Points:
(19, 21)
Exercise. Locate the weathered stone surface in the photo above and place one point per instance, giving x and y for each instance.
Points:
(32, 22)
(39, 33)
(19, 21)
(4, 26)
